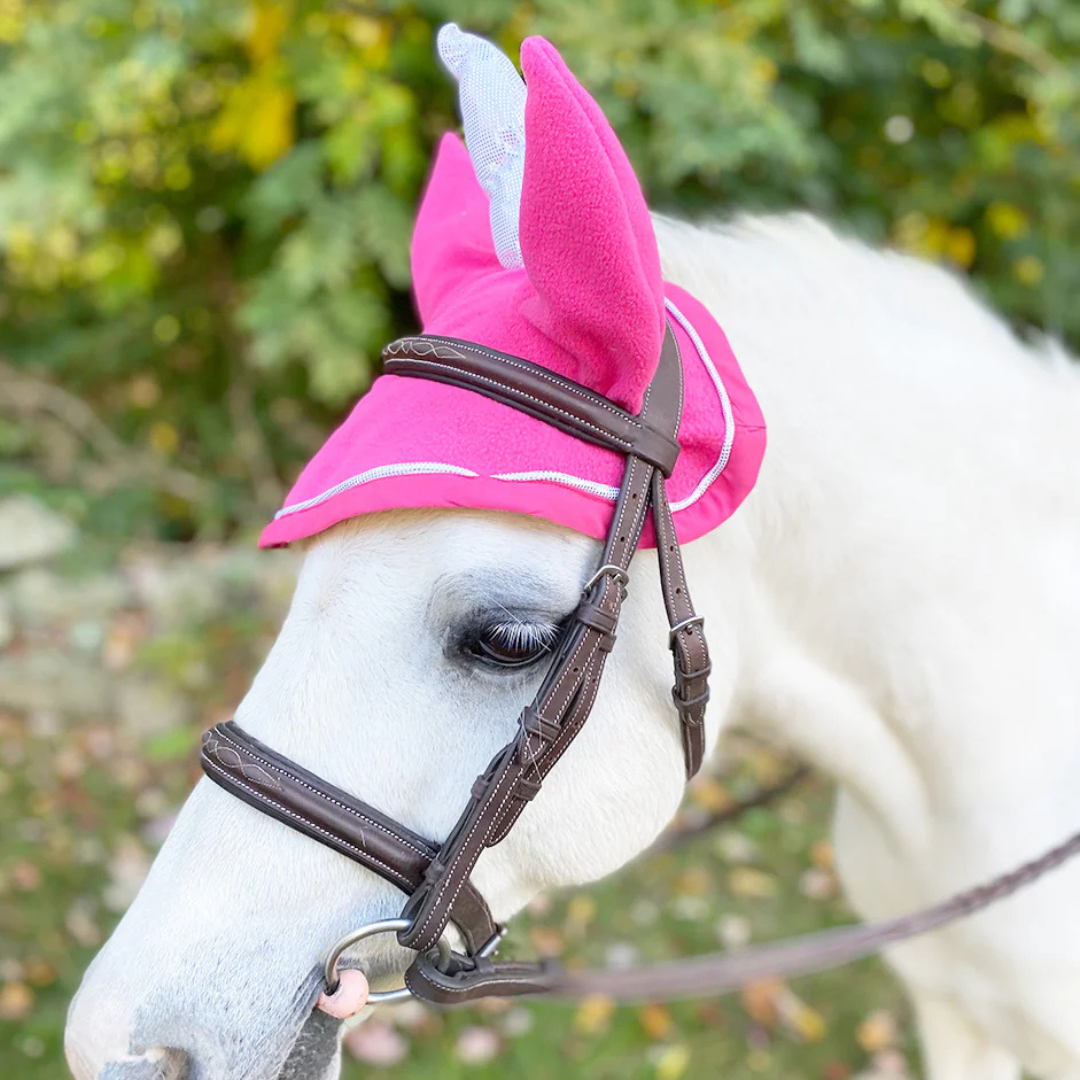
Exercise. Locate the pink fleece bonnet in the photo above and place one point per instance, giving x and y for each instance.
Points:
(553, 259)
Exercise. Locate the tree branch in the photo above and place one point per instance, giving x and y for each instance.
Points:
(26, 395)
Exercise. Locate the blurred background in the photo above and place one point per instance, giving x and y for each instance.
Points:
(205, 208)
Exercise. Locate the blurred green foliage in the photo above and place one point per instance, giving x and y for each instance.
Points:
(205, 205)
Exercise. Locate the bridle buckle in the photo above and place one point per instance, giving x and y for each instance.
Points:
(617, 572)
(694, 620)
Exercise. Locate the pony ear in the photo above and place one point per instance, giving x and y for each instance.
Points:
(586, 236)
(452, 239)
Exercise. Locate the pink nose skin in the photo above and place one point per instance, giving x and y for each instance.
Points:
(348, 999)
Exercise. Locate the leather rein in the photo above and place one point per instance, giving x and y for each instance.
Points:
(436, 877)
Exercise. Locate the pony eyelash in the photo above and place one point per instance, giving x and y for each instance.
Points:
(523, 635)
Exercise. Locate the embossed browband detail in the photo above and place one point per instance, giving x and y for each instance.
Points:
(532, 389)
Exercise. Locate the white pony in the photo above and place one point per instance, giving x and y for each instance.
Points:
(898, 602)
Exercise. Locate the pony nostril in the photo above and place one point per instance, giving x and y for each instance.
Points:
(165, 1064)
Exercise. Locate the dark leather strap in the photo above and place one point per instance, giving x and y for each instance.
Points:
(470, 978)
(532, 389)
(261, 777)
(567, 694)
(687, 637)
(437, 879)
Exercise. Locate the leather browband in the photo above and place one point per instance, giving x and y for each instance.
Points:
(532, 389)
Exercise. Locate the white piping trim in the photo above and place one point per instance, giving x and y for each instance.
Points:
(725, 404)
(405, 468)
(592, 487)
(605, 491)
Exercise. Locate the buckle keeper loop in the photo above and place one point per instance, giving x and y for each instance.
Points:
(590, 614)
(685, 705)
(526, 789)
(535, 724)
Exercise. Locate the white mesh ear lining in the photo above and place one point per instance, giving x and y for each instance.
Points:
(491, 96)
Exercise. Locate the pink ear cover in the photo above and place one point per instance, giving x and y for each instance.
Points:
(586, 236)
(589, 303)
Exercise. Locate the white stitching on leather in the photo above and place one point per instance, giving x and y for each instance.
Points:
(395, 874)
(359, 814)
(543, 373)
(465, 877)
(545, 406)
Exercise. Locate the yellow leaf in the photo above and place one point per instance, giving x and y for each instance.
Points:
(144, 391)
(12, 21)
(268, 27)
(16, 1001)
(807, 1022)
(593, 1014)
(272, 132)
(1007, 220)
(746, 883)
(579, 913)
(936, 237)
(40, 973)
(20, 240)
(258, 121)
(656, 1021)
(877, 1032)
(694, 882)
(711, 795)
(371, 35)
(1029, 270)
(821, 855)
(759, 999)
(672, 1061)
(164, 438)
(960, 246)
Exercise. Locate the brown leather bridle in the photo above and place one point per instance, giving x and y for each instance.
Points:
(436, 877)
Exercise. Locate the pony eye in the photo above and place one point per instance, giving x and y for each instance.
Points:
(513, 644)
